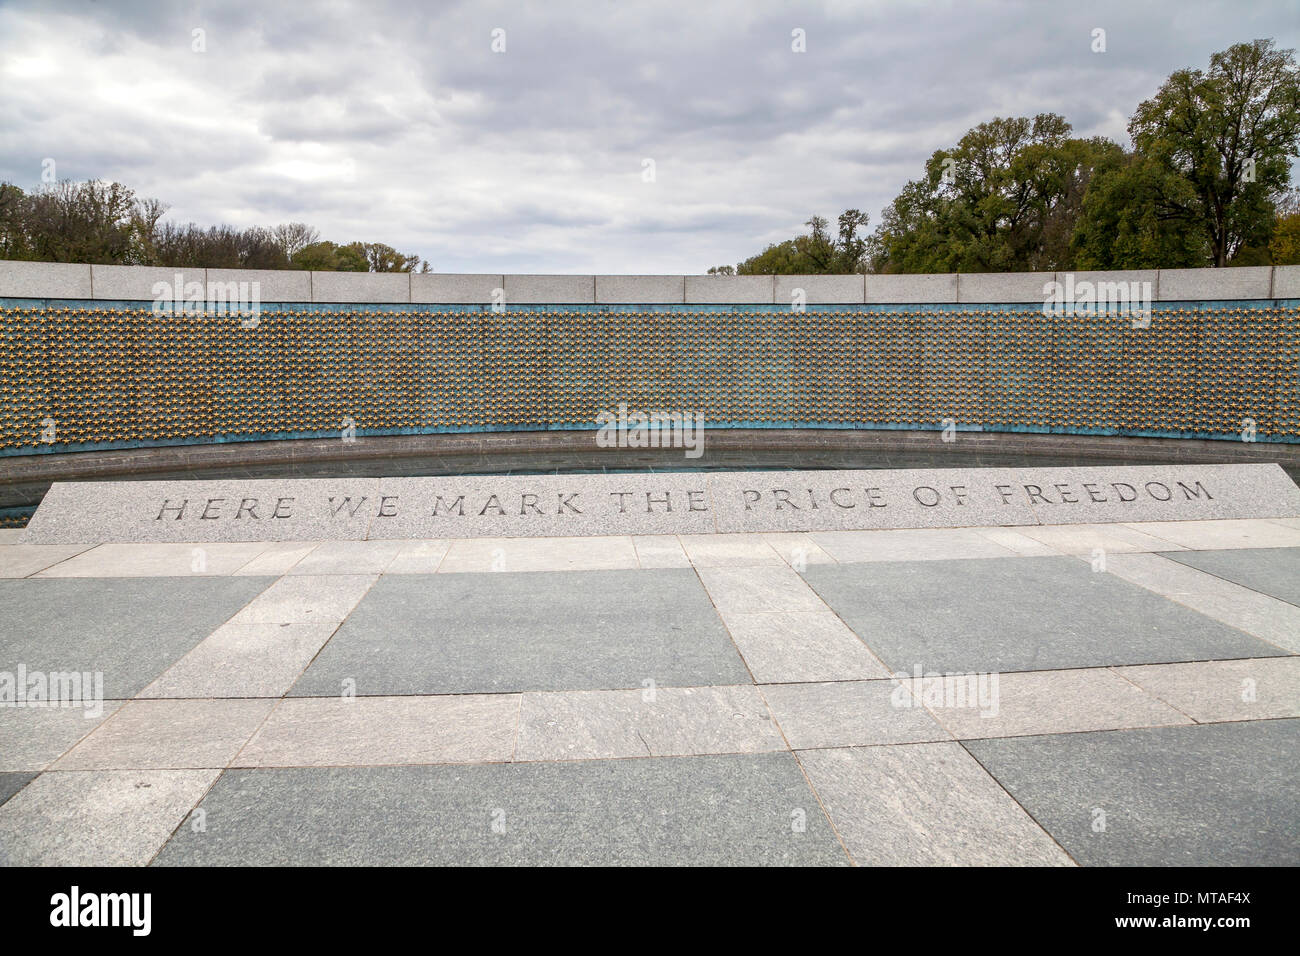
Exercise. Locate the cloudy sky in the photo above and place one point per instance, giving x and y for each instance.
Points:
(399, 122)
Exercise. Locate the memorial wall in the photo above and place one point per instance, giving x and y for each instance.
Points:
(111, 362)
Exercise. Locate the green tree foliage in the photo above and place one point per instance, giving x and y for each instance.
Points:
(1213, 154)
(817, 253)
(1004, 199)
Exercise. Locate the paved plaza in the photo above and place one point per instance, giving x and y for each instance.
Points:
(1117, 694)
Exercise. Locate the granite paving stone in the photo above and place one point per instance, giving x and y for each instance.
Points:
(506, 632)
(1090, 538)
(243, 660)
(348, 557)
(759, 589)
(128, 629)
(168, 734)
(1214, 535)
(729, 550)
(1201, 795)
(1041, 702)
(850, 714)
(337, 731)
(20, 560)
(11, 783)
(278, 557)
(1267, 618)
(787, 647)
(714, 810)
(660, 551)
(539, 554)
(1271, 571)
(1224, 690)
(31, 738)
(156, 560)
(1011, 614)
(419, 557)
(100, 818)
(925, 804)
(654, 722)
(308, 599)
(908, 544)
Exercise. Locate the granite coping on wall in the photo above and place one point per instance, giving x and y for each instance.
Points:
(311, 509)
(53, 280)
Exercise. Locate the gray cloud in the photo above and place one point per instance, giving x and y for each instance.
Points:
(384, 121)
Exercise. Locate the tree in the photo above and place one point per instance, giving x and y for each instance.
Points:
(1004, 199)
(81, 222)
(817, 253)
(1223, 140)
(292, 237)
(1284, 247)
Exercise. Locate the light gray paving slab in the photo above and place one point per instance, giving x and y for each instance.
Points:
(798, 549)
(365, 287)
(1092, 538)
(660, 551)
(10, 535)
(372, 731)
(243, 660)
(789, 647)
(741, 590)
(278, 558)
(1271, 571)
(1039, 702)
(744, 809)
(1216, 535)
(904, 544)
(925, 805)
(1224, 690)
(686, 503)
(348, 557)
(651, 722)
(549, 289)
(306, 599)
(44, 280)
(31, 738)
(1267, 618)
(1012, 614)
(730, 550)
(631, 290)
(850, 714)
(156, 560)
(1199, 795)
(21, 560)
(499, 633)
(1014, 541)
(104, 818)
(126, 630)
(539, 554)
(419, 557)
(450, 288)
(168, 735)
(11, 783)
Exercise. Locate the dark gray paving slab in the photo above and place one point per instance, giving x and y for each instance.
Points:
(720, 810)
(501, 632)
(1209, 794)
(11, 783)
(128, 629)
(1271, 571)
(1014, 614)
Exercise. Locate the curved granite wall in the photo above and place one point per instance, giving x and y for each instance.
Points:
(82, 371)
